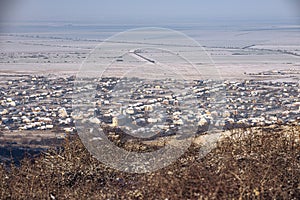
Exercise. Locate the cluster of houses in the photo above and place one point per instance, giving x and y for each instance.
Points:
(250, 103)
(138, 106)
(219, 105)
(36, 103)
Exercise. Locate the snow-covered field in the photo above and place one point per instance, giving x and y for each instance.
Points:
(234, 52)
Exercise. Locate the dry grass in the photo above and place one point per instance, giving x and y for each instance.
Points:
(251, 164)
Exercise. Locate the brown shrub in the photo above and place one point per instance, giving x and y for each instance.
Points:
(250, 164)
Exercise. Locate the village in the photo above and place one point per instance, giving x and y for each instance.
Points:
(45, 103)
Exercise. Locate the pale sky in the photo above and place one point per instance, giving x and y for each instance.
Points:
(140, 11)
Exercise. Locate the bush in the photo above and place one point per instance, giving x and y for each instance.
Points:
(252, 163)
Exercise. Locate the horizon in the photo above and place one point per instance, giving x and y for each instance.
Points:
(143, 12)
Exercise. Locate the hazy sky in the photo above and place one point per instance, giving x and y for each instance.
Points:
(134, 11)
